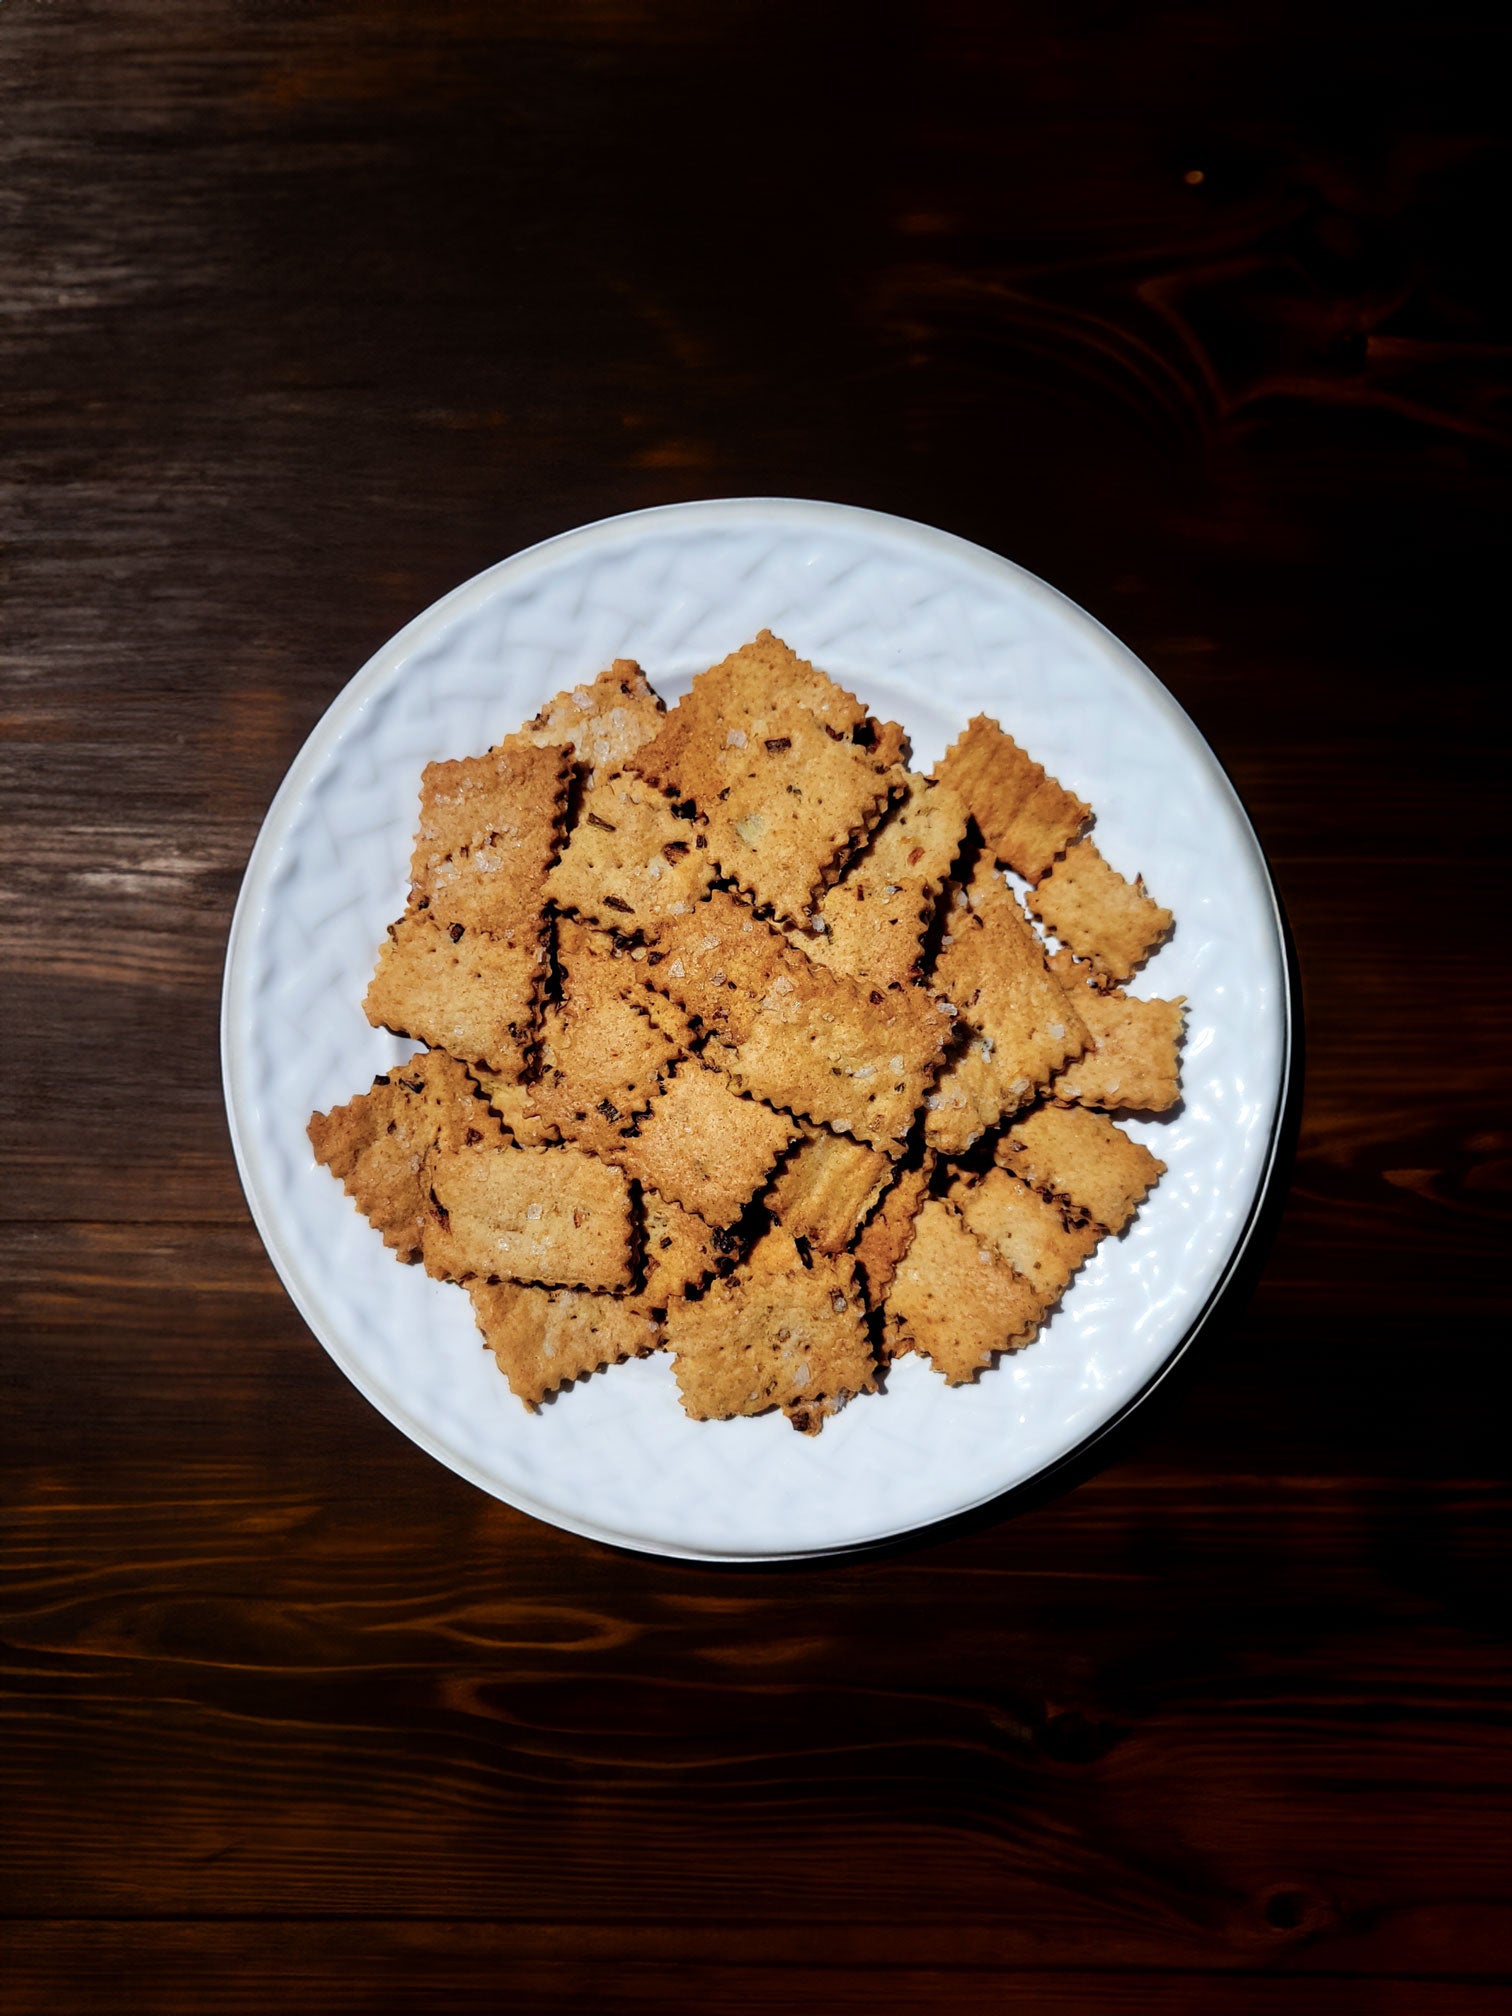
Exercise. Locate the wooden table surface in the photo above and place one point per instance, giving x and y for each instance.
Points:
(309, 312)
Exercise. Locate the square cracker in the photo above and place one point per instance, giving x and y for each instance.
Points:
(1018, 1024)
(681, 1250)
(549, 1216)
(889, 1231)
(542, 1337)
(630, 859)
(871, 923)
(1135, 1058)
(774, 1333)
(604, 720)
(490, 828)
(740, 686)
(602, 1062)
(380, 1145)
(955, 1300)
(855, 1058)
(1025, 815)
(1026, 1229)
(783, 765)
(703, 1145)
(783, 802)
(826, 1186)
(1071, 1152)
(473, 993)
(1093, 910)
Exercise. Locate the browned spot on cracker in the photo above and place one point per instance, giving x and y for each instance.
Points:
(955, 1300)
(1025, 815)
(551, 1216)
(542, 1337)
(1075, 1154)
(381, 1144)
(1093, 910)
(775, 1333)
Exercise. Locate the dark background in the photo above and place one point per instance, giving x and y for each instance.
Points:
(306, 313)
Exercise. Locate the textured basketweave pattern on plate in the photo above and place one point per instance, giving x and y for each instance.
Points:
(928, 631)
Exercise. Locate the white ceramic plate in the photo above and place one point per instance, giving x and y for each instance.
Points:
(928, 630)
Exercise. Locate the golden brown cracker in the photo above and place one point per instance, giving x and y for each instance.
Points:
(775, 1333)
(1026, 817)
(1028, 1230)
(871, 923)
(549, 1216)
(509, 1099)
(855, 1058)
(681, 1250)
(955, 1300)
(1073, 1153)
(469, 992)
(490, 828)
(1097, 914)
(1134, 1062)
(703, 1145)
(542, 1337)
(738, 687)
(783, 803)
(604, 720)
(888, 1233)
(600, 1064)
(630, 859)
(1018, 1024)
(826, 1186)
(380, 1145)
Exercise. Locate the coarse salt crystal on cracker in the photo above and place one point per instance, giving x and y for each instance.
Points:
(473, 993)
(604, 720)
(630, 859)
(1026, 817)
(1018, 1024)
(380, 1145)
(826, 1186)
(1097, 914)
(1074, 1153)
(543, 1337)
(551, 1217)
(774, 1333)
(955, 1300)
(1028, 1230)
(703, 1145)
(855, 1058)
(870, 924)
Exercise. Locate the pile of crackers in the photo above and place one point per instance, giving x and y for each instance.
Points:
(740, 1046)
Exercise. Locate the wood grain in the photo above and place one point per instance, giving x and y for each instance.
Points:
(310, 312)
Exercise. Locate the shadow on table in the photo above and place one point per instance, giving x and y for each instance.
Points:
(1114, 1441)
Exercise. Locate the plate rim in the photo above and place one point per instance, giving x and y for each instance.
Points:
(389, 658)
